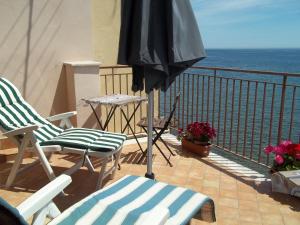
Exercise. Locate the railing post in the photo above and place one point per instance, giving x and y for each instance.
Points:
(113, 92)
(158, 103)
(283, 91)
(214, 98)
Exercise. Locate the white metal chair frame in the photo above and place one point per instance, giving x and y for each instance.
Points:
(24, 138)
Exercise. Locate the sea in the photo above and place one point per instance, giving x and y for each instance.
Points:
(252, 134)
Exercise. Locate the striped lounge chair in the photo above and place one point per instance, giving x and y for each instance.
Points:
(130, 200)
(23, 125)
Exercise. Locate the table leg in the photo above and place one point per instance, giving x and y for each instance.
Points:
(128, 124)
(95, 113)
(130, 118)
(109, 116)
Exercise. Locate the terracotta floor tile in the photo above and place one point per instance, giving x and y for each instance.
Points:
(211, 191)
(249, 216)
(271, 218)
(243, 222)
(181, 181)
(199, 222)
(226, 186)
(247, 205)
(246, 196)
(211, 176)
(227, 182)
(195, 181)
(194, 188)
(228, 193)
(212, 171)
(194, 173)
(225, 221)
(210, 183)
(225, 212)
(229, 202)
(181, 172)
(238, 200)
(185, 163)
(288, 210)
(246, 188)
(268, 208)
(267, 199)
(291, 220)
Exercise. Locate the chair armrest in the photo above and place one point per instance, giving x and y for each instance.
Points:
(156, 216)
(21, 130)
(43, 196)
(61, 116)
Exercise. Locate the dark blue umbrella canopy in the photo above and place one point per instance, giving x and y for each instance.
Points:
(159, 39)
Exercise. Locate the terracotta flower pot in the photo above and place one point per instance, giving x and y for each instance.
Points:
(202, 149)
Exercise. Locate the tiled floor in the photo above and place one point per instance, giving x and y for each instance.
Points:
(241, 196)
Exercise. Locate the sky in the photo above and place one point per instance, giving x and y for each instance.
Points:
(248, 23)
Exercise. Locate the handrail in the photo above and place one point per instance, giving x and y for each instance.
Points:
(247, 71)
(114, 67)
(221, 69)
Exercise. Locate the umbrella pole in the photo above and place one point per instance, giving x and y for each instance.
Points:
(150, 111)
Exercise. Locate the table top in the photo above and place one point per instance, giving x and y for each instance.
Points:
(115, 99)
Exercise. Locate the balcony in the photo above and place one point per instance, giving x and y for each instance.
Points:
(249, 109)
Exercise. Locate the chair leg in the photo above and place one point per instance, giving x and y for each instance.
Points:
(19, 158)
(154, 143)
(162, 140)
(88, 164)
(166, 145)
(53, 211)
(43, 159)
(14, 170)
(49, 155)
(116, 163)
(102, 173)
(114, 158)
(163, 154)
(40, 216)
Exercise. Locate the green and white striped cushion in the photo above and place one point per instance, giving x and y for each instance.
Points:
(15, 113)
(87, 139)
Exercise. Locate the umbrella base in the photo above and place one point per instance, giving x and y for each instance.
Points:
(150, 176)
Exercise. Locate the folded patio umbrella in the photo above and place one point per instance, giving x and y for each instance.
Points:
(159, 39)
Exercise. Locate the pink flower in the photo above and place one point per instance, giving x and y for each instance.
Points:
(279, 159)
(286, 143)
(269, 149)
(280, 150)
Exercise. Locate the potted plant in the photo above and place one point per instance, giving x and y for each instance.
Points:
(286, 156)
(196, 138)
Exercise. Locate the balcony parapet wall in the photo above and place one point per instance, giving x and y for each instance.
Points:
(83, 81)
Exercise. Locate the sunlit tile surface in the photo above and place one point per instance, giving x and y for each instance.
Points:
(241, 195)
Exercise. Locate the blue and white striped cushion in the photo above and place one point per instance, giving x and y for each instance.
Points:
(128, 200)
(15, 113)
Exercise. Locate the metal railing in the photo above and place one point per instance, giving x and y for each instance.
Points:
(118, 80)
(249, 109)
